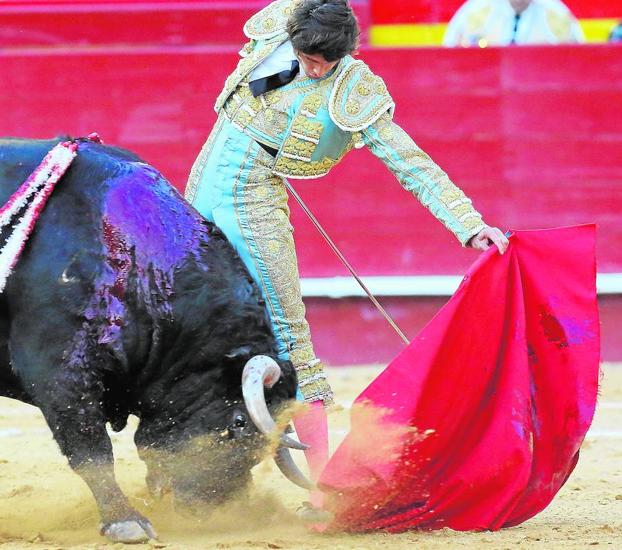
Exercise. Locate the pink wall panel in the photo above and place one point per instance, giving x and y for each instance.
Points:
(351, 331)
(533, 135)
(388, 12)
(173, 26)
(130, 23)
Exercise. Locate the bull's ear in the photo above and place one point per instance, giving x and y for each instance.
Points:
(239, 352)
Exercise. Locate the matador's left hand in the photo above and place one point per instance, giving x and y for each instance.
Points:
(488, 236)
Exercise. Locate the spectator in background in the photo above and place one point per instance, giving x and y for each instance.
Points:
(616, 33)
(482, 23)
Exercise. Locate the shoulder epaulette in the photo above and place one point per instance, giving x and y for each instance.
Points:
(359, 98)
(270, 21)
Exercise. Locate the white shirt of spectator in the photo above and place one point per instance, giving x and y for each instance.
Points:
(279, 60)
(491, 23)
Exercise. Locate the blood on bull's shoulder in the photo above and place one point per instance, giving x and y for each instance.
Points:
(126, 301)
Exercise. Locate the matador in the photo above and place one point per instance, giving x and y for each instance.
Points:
(296, 104)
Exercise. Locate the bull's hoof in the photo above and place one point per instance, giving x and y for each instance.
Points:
(129, 532)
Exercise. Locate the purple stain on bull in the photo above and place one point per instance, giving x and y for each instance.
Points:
(125, 301)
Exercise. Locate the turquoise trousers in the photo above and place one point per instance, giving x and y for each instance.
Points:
(232, 185)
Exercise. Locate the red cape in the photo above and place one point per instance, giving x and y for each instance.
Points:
(478, 422)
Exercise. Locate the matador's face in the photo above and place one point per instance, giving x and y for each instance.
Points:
(314, 65)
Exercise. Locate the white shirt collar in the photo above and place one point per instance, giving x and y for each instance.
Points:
(279, 60)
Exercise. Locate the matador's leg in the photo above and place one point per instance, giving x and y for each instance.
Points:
(234, 187)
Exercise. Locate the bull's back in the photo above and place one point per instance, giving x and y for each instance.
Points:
(65, 245)
(107, 201)
(109, 228)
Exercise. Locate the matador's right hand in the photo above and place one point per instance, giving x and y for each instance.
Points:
(489, 236)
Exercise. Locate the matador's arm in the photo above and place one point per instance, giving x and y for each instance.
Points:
(420, 175)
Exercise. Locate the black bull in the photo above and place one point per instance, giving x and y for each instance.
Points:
(126, 301)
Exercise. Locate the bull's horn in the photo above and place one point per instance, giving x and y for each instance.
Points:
(286, 464)
(259, 372)
(292, 443)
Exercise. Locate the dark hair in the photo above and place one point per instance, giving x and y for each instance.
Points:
(326, 27)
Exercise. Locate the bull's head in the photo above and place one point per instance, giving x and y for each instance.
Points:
(214, 463)
(262, 371)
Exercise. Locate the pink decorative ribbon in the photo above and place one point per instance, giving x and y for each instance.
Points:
(40, 184)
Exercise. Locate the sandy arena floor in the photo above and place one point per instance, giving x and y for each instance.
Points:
(43, 505)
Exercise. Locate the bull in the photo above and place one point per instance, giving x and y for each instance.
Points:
(126, 301)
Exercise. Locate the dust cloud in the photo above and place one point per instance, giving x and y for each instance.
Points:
(44, 505)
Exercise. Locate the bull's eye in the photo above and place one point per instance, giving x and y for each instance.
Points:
(240, 421)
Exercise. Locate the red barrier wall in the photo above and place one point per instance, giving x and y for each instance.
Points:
(351, 331)
(387, 12)
(533, 135)
(131, 23)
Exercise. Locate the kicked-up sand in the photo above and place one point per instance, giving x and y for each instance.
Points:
(44, 505)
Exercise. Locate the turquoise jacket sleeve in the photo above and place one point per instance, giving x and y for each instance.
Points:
(421, 176)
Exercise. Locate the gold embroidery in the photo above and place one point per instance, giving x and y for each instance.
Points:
(266, 119)
(312, 381)
(385, 133)
(312, 103)
(271, 123)
(353, 107)
(310, 129)
(462, 210)
(247, 49)
(255, 104)
(243, 110)
(303, 169)
(363, 89)
(358, 98)
(381, 88)
(294, 159)
(273, 97)
(243, 119)
(357, 140)
(298, 149)
(452, 199)
(261, 206)
(270, 21)
(450, 194)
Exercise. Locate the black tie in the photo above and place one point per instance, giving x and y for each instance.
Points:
(263, 85)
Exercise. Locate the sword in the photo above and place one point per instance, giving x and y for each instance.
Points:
(345, 262)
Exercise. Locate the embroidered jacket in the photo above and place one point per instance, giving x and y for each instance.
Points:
(314, 123)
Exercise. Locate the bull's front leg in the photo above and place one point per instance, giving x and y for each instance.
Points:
(82, 437)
